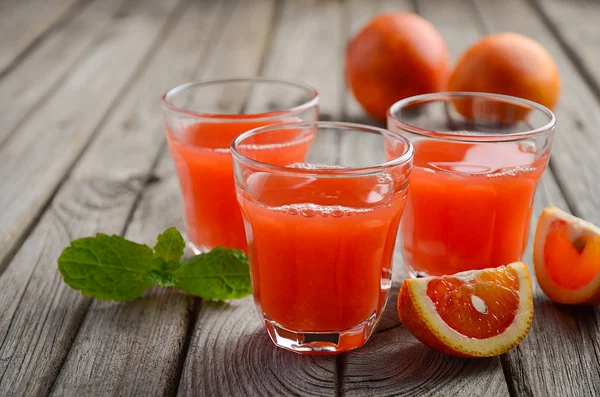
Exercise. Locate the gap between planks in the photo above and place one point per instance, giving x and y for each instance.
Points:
(61, 51)
(150, 179)
(22, 234)
(12, 61)
(544, 8)
(38, 322)
(576, 58)
(39, 212)
(214, 66)
(572, 350)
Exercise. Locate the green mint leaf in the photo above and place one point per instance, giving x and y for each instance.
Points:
(107, 267)
(168, 251)
(170, 245)
(222, 273)
(111, 267)
(162, 278)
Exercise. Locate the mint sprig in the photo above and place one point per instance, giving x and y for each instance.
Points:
(221, 274)
(113, 268)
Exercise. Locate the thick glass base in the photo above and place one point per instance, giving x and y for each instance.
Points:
(320, 342)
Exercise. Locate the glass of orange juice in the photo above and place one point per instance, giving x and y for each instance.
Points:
(478, 160)
(322, 228)
(201, 121)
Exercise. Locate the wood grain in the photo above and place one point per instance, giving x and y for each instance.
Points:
(581, 42)
(557, 357)
(99, 75)
(25, 21)
(575, 23)
(456, 20)
(560, 355)
(35, 79)
(137, 346)
(231, 355)
(40, 315)
(307, 47)
(55, 135)
(394, 363)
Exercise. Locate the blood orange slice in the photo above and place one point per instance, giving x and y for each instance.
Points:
(567, 258)
(478, 313)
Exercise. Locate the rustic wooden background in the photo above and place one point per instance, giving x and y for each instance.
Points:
(82, 150)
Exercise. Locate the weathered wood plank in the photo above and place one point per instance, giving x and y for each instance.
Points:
(557, 357)
(393, 362)
(576, 23)
(40, 315)
(457, 21)
(230, 352)
(23, 22)
(229, 344)
(307, 47)
(38, 75)
(234, 356)
(52, 138)
(560, 356)
(137, 346)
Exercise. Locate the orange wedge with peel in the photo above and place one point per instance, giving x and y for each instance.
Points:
(478, 313)
(566, 256)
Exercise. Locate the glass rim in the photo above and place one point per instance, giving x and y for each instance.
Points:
(233, 117)
(404, 158)
(491, 137)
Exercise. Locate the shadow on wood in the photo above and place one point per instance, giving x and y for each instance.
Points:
(231, 354)
(394, 362)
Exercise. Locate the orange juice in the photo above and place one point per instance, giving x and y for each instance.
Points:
(203, 161)
(321, 249)
(470, 205)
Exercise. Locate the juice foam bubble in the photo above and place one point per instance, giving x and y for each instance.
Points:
(309, 166)
(312, 210)
(513, 171)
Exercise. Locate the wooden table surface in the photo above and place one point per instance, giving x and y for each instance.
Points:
(82, 150)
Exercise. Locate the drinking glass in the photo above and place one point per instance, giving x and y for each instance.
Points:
(478, 160)
(321, 228)
(201, 121)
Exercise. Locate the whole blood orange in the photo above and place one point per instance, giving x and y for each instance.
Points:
(509, 64)
(478, 313)
(567, 258)
(395, 56)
